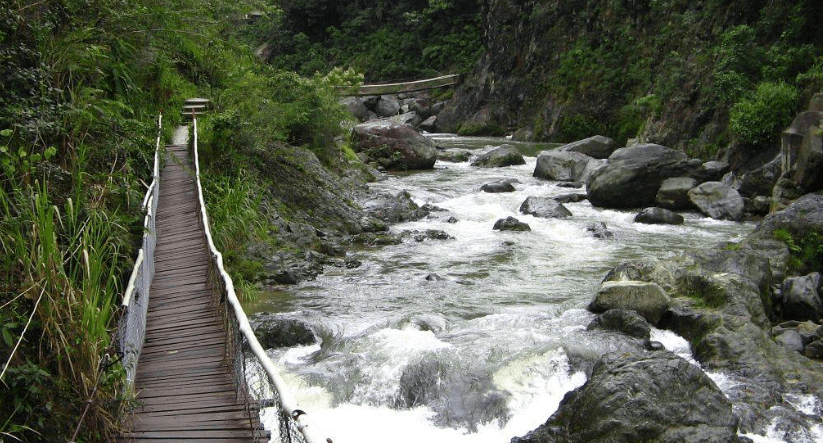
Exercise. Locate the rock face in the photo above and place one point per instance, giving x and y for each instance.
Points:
(808, 174)
(632, 176)
(510, 224)
(800, 298)
(674, 193)
(505, 155)
(394, 146)
(718, 201)
(596, 147)
(658, 216)
(561, 165)
(276, 331)
(647, 299)
(654, 397)
(544, 207)
(623, 321)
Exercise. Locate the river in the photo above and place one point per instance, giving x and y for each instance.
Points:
(486, 352)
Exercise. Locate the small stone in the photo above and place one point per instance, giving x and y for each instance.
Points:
(790, 339)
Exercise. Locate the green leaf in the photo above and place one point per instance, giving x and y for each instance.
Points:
(50, 152)
(7, 338)
(21, 153)
(4, 149)
(6, 132)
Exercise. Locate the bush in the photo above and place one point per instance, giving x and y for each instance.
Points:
(757, 119)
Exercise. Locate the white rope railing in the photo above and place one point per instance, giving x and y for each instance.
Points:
(132, 328)
(288, 402)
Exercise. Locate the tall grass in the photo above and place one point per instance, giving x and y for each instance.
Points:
(62, 263)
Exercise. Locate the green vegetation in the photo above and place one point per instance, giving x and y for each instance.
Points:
(757, 119)
(82, 84)
(397, 40)
(805, 253)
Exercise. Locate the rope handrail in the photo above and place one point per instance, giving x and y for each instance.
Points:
(132, 327)
(287, 401)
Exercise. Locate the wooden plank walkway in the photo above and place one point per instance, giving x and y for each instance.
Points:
(185, 390)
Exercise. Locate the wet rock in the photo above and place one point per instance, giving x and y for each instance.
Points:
(511, 224)
(505, 155)
(630, 271)
(574, 185)
(623, 321)
(800, 298)
(647, 299)
(791, 340)
(429, 234)
(651, 397)
(652, 345)
(658, 216)
(711, 171)
(429, 124)
(393, 208)
(454, 155)
(434, 277)
(278, 331)
(631, 176)
(599, 147)
(570, 198)
(561, 165)
(394, 146)
(498, 187)
(599, 230)
(544, 207)
(717, 201)
(674, 193)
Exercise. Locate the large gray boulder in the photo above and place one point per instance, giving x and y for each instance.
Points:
(653, 397)
(504, 155)
(599, 147)
(409, 118)
(278, 331)
(645, 298)
(387, 106)
(803, 216)
(800, 298)
(394, 146)
(718, 201)
(631, 176)
(711, 171)
(674, 193)
(561, 165)
(356, 107)
(393, 208)
(544, 207)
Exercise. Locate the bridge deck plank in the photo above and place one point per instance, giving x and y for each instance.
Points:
(184, 386)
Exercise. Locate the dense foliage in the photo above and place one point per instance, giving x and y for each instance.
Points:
(386, 40)
(81, 85)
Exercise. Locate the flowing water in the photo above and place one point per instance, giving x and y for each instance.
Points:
(487, 352)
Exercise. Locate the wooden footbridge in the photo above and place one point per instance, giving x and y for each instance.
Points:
(396, 88)
(188, 372)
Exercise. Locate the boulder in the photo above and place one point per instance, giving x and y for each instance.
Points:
(652, 397)
(504, 155)
(511, 224)
(623, 321)
(800, 298)
(596, 147)
(808, 176)
(422, 106)
(631, 176)
(570, 198)
(658, 216)
(790, 339)
(761, 180)
(544, 207)
(674, 193)
(277, 331)
(814, 349)
(647, 299)
(561, 165)
(408, 119)
(394, 146)
(497, 187)
(356, 107)
(599, 230)
(718, 201)
(711, 171)
(429, 124)
(803, 216)
(393, 208)
(387, 106)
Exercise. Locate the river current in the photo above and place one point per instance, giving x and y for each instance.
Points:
(486, 352)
